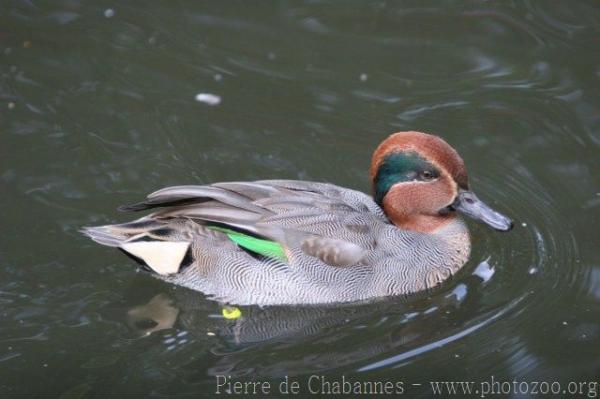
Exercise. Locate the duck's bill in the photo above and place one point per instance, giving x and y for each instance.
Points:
(468, 204)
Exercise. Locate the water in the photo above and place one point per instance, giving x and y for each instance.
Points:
(103, 103)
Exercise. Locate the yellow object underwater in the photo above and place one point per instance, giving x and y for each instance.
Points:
(231, 312)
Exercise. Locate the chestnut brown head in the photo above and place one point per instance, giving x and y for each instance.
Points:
(420, 181)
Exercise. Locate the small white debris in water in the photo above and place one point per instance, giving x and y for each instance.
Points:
(533, 270)
(456, 355)
(207, 98)
(564, 323)
(11, 105)
(363, 77)
(45, 364)
(484, 271)
(109, 13)
(524, 224)
(460, 292)
(218, 77)
(210, 334)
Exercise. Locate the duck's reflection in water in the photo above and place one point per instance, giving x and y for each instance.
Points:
(293, 340)
(158, 314)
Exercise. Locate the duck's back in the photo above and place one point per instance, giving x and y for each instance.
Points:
(283, 242)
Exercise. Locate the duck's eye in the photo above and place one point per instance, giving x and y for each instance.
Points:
(428, 175)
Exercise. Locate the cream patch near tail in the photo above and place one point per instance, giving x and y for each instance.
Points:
(164, 257)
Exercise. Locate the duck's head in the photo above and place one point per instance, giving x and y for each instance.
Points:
(420, 182)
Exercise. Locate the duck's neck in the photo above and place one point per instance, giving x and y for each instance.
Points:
(422, 223)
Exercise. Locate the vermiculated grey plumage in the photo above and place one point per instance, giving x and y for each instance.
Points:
(339, 244)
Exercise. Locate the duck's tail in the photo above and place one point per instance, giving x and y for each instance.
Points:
(151, 243)
(104, 235)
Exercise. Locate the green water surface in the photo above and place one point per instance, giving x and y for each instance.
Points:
(99, 106)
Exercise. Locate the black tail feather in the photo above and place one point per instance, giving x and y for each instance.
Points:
(149, 204)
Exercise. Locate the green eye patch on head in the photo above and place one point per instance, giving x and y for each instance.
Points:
(401, 167)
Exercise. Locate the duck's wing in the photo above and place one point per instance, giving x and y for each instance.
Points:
(329, 222)
(257, 196)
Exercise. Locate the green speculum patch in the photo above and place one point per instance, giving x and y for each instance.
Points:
(400, 167)
(260, 246)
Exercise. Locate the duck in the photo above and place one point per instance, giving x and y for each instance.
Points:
(291, 242)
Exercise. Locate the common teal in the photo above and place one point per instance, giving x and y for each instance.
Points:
(275, 242)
